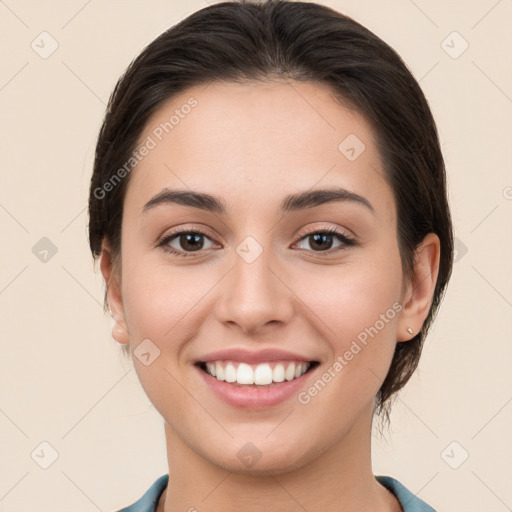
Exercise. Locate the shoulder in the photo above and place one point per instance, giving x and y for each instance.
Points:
(409, 501)
(149, 501)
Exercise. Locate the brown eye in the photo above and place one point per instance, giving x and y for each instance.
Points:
(322, 241)
(191, 241)
(185, 243)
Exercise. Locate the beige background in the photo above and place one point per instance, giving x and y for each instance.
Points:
(63, 380)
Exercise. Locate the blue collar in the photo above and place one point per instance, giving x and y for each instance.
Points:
(409, 502)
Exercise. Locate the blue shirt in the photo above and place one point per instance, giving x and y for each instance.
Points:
(409, 502)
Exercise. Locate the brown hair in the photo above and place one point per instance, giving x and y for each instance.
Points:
(249, 40)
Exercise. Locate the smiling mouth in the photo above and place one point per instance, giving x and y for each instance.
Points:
(256, 375)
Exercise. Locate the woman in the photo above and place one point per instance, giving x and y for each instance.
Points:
(269, 209)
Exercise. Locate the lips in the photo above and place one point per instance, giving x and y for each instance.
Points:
(252, 396)
(255, 367)
(255, 378)
(244, 355)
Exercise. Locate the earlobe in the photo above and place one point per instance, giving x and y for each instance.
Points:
(420, 291)
(119, 333)
(114, 295)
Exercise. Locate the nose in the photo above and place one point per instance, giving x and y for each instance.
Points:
(255, 295)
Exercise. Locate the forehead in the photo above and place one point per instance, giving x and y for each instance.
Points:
(257, 141)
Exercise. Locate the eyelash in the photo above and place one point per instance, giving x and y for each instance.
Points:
(346, 241)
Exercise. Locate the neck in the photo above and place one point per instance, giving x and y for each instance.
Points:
(339, 480)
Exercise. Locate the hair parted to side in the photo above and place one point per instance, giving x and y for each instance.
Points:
(243, 41)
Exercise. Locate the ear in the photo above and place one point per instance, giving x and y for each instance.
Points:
(420, 290)
(112, 278)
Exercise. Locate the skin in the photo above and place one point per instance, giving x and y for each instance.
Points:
(251, 145)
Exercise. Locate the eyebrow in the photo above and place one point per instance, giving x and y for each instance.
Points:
(293, 202)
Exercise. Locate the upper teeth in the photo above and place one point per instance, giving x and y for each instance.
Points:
(259, 374)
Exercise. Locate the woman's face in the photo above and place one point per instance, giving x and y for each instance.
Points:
(265, 274)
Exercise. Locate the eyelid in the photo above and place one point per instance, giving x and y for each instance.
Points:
(181, 230)
(347, 240)
(165, 239)
(327, 229)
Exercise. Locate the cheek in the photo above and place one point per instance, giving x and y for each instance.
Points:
(342, 301)
(353, 297)
(357, 309)
(160, 300)
(161, 305)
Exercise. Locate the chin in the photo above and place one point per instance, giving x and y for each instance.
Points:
(254, 459)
